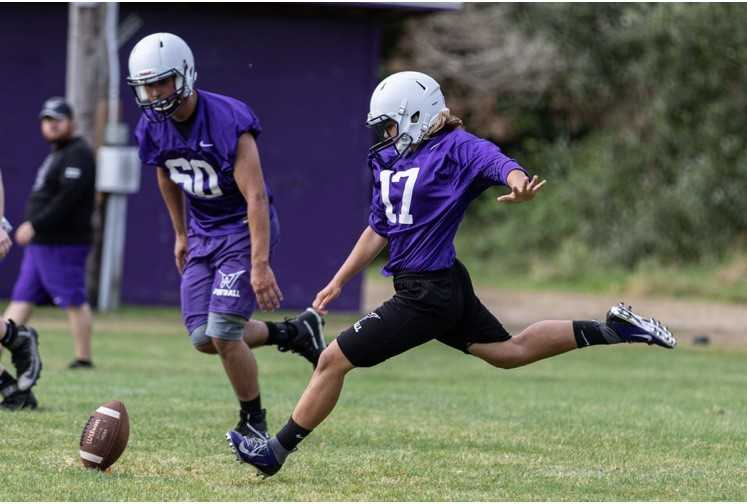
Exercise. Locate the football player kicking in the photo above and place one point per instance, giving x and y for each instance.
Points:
(21, 341)
(426, 171)
(204, 145)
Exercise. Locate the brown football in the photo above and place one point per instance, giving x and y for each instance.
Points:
(105, 436)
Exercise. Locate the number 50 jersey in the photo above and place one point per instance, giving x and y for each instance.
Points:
(202, 164)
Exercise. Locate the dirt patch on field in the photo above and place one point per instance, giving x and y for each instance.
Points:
(724, 324)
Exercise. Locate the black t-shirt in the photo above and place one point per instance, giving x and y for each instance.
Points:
(62, 199)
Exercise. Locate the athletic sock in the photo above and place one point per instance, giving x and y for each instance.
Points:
(290, 435)
(280, 333)
(11, 332)
(591, 332)
(8, 384)
(251, 408)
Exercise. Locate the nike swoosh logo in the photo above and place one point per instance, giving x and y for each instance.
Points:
(205, 145)
(647, 337)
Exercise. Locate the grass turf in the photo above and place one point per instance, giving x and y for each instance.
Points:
(624, 423)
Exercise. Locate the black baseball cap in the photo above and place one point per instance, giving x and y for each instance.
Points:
(56, 108)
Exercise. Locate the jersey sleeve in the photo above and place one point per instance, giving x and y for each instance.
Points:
(246, 121)
(147, 149)
(486, 163)
(377, 214)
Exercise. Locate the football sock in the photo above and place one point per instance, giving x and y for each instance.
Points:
(8, 384)
(280, 333)
(591, 332)
(251, 408)
(290, 435)
(10, 335)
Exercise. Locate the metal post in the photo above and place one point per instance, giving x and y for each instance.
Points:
(118, 174)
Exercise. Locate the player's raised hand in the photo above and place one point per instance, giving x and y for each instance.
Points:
(180, 252)
(325, 296)
(266, 287)
(523, 191)
(5, 243)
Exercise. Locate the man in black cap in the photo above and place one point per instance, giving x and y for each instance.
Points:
(57, 232)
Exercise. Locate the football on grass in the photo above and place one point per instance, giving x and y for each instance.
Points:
(105, 436)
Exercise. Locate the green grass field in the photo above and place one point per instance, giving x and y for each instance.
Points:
(626, 423)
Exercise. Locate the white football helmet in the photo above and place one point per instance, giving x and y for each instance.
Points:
(157, 57)
(411, 100)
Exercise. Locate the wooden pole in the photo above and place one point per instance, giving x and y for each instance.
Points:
(85, 84)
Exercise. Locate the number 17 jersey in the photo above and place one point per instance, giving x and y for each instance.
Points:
(203, 164)
(419, 202)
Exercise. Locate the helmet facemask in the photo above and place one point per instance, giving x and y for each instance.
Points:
(162, 108)
(401, 141)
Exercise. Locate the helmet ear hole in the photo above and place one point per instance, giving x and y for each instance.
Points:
(415, 117)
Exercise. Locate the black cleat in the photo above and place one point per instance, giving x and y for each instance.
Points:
(255, 426)
(309, 340)
(80, 364)
(18, 400)
(25, 356)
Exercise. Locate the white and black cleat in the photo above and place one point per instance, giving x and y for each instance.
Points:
(632, 328)
(25, 356)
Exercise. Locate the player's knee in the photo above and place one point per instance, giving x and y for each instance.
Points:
(332, 360)
(223, 346)
(201, 341)
(225, 331)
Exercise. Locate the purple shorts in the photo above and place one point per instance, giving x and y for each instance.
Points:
(52, 273)
(217, 278)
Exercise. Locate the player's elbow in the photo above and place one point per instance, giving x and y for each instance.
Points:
(255, 198)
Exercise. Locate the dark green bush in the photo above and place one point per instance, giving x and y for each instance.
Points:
(647, 159)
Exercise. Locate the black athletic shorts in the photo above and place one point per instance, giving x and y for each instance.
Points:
(439, 305)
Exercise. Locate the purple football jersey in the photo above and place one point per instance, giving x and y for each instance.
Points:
(419, 202)
(202, 165)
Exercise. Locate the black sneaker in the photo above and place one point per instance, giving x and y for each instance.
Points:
(21, 399)
(25, 356)
(255, 426)
(309, 340)
(80, 364)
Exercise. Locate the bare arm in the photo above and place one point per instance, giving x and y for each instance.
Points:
(368, 246)
(248, 175)
(174, 200)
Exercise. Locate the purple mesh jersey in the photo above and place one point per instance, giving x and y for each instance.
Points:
(419, 202)
(202, 165)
